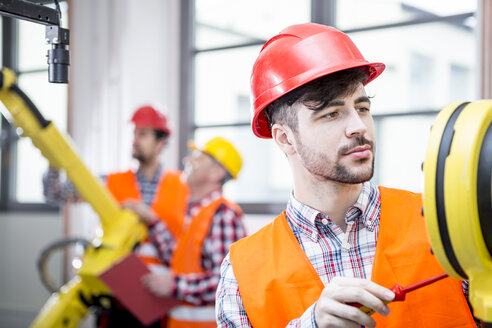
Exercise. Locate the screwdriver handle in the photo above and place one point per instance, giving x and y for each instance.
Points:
(399, 296)
(400, 292)
(364, 308)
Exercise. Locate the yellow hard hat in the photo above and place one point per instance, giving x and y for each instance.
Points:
(223, 152)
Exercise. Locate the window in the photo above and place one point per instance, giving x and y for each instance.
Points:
(461, 80)
(422, 77)
(361, 14)
(228, 36)
(428, 48)
(24, 44)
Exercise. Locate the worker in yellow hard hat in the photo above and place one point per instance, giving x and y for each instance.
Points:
(223, 152)
(211, 224)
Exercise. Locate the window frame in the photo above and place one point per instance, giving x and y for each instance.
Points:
(323, 12)
(8, 134)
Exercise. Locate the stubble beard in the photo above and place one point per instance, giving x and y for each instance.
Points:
(139, 156)
(322, 167)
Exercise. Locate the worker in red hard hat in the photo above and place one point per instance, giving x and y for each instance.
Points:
(151, 191)
(341, 239)
(149, 122)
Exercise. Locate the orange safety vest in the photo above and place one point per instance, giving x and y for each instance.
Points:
(278, 283)
(169, 204)
(187, 259)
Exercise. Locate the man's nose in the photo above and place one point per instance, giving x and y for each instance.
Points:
(186, 160)
(355, 125)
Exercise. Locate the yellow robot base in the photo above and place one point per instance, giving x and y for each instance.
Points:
(457, 197)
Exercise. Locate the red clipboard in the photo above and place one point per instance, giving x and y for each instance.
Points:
(124, 280)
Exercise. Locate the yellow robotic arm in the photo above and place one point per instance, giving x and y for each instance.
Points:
(458, 197)
(122, 229)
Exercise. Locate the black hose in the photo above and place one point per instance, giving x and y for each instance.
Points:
(45, 254)
(58, 11)
(34, 110)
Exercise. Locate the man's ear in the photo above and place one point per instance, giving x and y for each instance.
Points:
(217, 173)
(161, 144)
(284, 138)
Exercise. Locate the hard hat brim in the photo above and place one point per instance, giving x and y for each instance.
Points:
(192, 146)
(260, 124)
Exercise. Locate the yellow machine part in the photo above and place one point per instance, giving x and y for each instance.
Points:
(64, 308)
(122, 229)
(453, 193)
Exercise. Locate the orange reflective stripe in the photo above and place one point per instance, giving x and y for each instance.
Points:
(170, 201)
(188, 254)
(277, 283)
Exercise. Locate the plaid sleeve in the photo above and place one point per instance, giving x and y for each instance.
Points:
(307, 320)
(163, 241)
(199, 289)
(57, 192)
(229, 308)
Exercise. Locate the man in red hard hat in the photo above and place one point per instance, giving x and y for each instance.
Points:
(151, 191)
(341, 239)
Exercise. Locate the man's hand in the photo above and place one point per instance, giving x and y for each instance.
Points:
(159, 284)
(332, 311)
(143, 211)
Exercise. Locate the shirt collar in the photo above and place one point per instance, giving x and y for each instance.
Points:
(304, 216)
(194, 207)
(301, 211)
(368, 195)
(155, 178)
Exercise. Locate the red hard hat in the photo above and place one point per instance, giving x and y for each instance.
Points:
(148, 116)
(297, 55)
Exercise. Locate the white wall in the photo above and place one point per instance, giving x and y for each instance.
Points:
(124, 54)
(22, 236)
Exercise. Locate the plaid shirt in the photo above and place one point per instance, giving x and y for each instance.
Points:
(226, 228)
(331, 251)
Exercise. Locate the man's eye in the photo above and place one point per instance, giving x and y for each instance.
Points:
(331, 115)
(363, 109)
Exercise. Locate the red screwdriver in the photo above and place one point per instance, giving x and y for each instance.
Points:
(400, 292)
